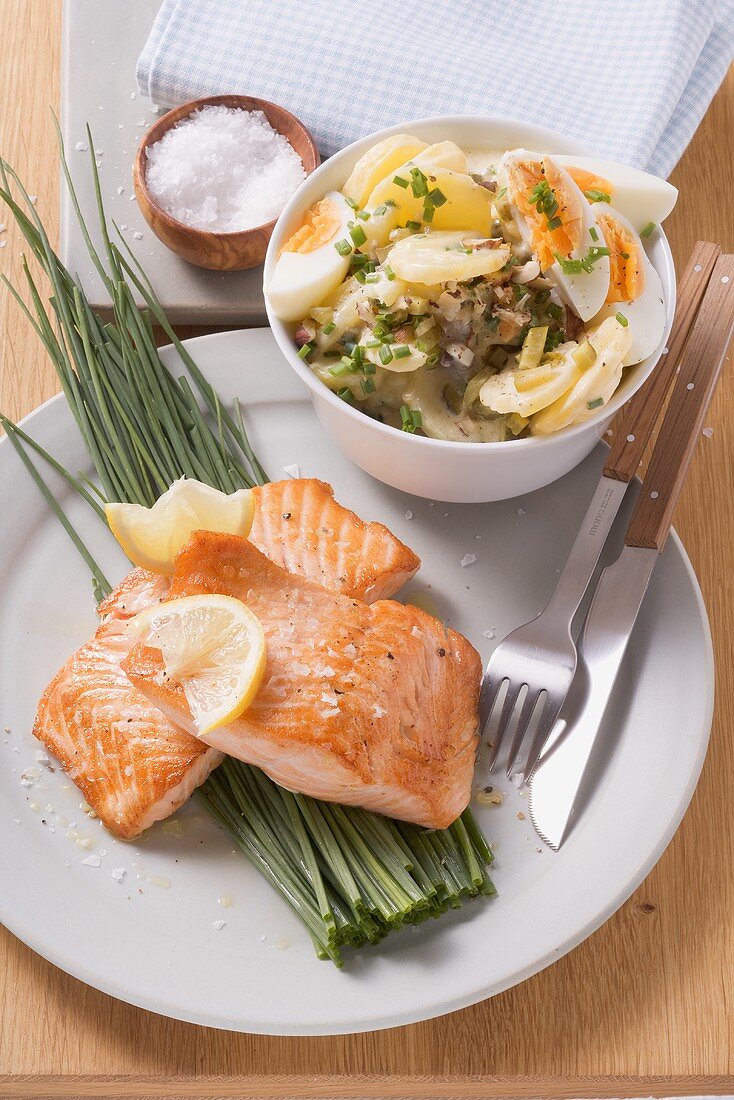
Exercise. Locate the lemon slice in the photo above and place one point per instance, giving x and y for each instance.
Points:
(151, 537)
(214, 647)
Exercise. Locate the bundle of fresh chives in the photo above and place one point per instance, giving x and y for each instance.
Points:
(351, 876)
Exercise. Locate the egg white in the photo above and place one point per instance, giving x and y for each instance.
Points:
(646, 315)
(585, 292)
(639, 196)
(301, 280)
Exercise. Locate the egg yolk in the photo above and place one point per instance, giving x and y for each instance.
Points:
(589, 181)
(321, 223)
(626, 269)
(550, 233)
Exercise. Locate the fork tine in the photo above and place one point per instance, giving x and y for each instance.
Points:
(526, 713)
(545, 728)
(507, 708)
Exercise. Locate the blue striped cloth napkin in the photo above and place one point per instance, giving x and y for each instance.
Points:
(630, 78)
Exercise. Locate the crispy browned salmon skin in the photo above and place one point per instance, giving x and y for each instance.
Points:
(299, 526)
(135, 766)
(371, 705)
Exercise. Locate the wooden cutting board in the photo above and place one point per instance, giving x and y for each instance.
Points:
(644, 1007)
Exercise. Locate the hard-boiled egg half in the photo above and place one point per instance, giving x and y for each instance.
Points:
(310, 266)
(558, 225)
(635, 291)
(638, 196)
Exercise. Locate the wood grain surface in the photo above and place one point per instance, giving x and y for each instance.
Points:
(642, 1007)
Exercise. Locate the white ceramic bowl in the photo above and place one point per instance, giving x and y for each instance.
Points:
(435, 468)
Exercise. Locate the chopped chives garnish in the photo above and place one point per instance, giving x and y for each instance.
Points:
(346, 366)
(360, 276)
(328, 328)
(648, 229)
(385, 354)
(369, 368)
(401, 182)
(363, 215)
(349, 346)
(437, 196)
(412, 225)
(373, 344)
(595, 195)
(575, 267)
(371, 277)
(389, 272)
(595, 403)
(410, 418)
(501, 193)
(428, 211)
(358, 235)
(419, 183)
(343, 247)
(350, 202)
(346, 394)
(305, 351)
(593, 233)
(368, 385)
(555, 223)
(622, 319)
(401, 352)
(554, 310)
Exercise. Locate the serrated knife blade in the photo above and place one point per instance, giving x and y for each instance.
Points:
(558, 778)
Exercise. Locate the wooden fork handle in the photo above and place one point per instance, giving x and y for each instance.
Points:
(700, 368)
(633, 426)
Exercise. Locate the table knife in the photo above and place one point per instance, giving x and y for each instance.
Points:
(558, 778)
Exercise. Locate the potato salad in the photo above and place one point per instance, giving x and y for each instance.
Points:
(472, 296)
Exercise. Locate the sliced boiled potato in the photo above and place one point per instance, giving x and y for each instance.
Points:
(444, 154)
(595, 386)
(467, 203)
(403, 365)
(151, 537)
(378, 162)
(445, 256)
(512, 391)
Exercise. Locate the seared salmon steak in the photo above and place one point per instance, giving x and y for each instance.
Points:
(369, 705)
(300, 527)
(133, 765)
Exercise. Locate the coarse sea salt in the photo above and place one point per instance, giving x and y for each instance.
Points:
(223, 169)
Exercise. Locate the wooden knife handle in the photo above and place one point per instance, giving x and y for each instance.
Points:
(634, 425)
(700, 368)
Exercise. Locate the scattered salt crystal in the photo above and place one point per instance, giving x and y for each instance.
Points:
(3, 244)
(488, 633)
(327, 670)
(350, 650)
(521, 511)
(33, 199)
(99, 152)
(292, 471)
(281, 945)
(708, 432)
(378, 711)
(415, 632)
(468, 559)
(408, 514)
(690, 385)
(518, 779)
(91, 861)
(220, 924)
(120, 190)
(138, 236)
(81, 147)
(331, 713)
(223, 169)
(225, 901)
(133, 95)
(140, 122)
(16, 821)
(42, 756)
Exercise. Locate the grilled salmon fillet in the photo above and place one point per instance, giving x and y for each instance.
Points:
(299, 526)
(133, 765)
(371, 705)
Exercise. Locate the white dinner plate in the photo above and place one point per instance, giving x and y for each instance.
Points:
(152, 939)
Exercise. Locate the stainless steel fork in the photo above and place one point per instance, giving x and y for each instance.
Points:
(539, 658)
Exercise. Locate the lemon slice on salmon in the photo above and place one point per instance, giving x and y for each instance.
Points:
(214, 646)
(151, 537)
